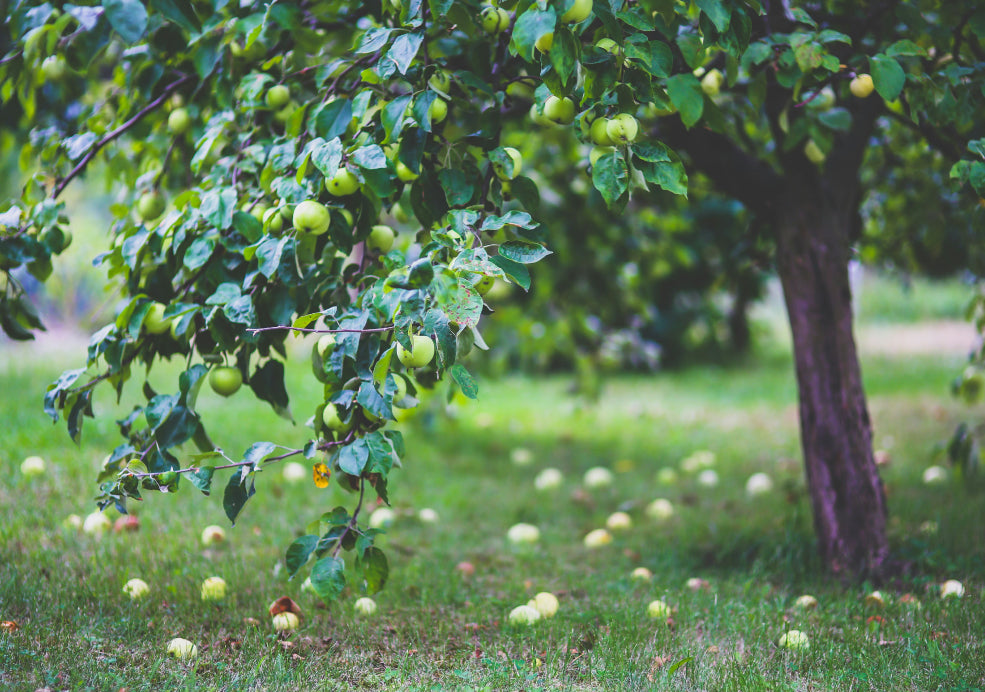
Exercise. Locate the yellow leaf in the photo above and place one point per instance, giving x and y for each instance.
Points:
(321, 473)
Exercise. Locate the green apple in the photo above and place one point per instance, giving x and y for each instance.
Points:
(578, 12)
(599, 132)
(438, 110)
(794, 640)
(286, 622)
(213, 535)
(560, 111)
(494, 19)
(154, 321)
(440, 81)
(399, 213)
(136, 589)
(214, 589)
(401, 382)
(35, 466)
(517, 160)
(524, 615)
(182, 649)
(273, 221)
(225, 380)
(711, 83)
(343, 183)
(484, 284)
(325, 345)
(365, 606)
(311, 217)
(150, 205)
(277, 96)
(598, 152)
(330, 418)
(54, 68)
(813, 152)
(545, 42)
(284, 114)
(380, 239)
(862, 85)
(179, 121)
(658, 609)
(538, 117)
(823, 101)
(405, 173)
(420, 354)
(608, 45)
(622, 129)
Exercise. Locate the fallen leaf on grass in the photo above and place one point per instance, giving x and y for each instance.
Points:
(9, 626)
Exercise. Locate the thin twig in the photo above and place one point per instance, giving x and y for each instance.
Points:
(109, 137)
(352, 520)
(323, 331)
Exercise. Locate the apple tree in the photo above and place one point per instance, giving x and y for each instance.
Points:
(257, 151)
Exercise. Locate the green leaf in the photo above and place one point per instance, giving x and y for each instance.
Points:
(465, 380)
(456, 186)
(523, 252)
(655, 56)
(888, 76)
(299, 552)
(906, 47)
(515, 271)
(375, 569)
(238, 491)
(332, 120)
(353, 457)
(127, 17)
(268, 384)
(837, 119)
(328, 577)
(464, 307)
(202, 479)
(257, 451)
(403, 51)
(529, 27)
(687, 96)
(717, 12)
(610, 177)
(180, 12)
(373, 40)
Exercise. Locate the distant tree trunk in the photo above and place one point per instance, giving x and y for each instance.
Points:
(847, 494)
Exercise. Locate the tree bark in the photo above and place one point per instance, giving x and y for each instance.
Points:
(849, 502)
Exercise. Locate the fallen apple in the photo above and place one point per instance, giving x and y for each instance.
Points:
(708, 478)
(794, 640)
(619, 521)
(660, 509)
(658, 609)
(428, 516)
(294, 472)
(759, 484)
(136, 589)
(96, 524)
(952, 588)
(365, 606)
(33, 466)
(548, 479)
(523, 534)
(182, 649)
(213, 534)
(521, 456)
(524, 615)
(598, 477)
(381, 518)
(286, 622)
(641, 574)
(545, 603)
(806, 602)
(214, 589)
(597, 538)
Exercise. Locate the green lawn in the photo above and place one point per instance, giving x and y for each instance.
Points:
(437, 630)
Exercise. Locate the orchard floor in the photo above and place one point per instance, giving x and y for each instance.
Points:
(439, 630)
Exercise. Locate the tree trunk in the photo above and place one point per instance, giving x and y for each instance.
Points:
(847, 494)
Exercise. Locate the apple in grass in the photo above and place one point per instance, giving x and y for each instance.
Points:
(658, 609)
(182, 649)
(213, 535)
(365, 606)
(794, 640)
(214, 589)
(524, 615)
(33, 466)
(96, 524)
(545, 603)
(420, 353)
(136, 589)
(225, 380)
(286, 622)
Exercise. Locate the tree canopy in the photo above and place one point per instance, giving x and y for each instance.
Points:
(366, 171)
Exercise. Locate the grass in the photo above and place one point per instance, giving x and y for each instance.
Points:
(438, 630)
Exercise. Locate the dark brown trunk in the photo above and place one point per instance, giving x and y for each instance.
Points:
(847, 494)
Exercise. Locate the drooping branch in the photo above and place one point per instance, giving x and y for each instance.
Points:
(110, 136)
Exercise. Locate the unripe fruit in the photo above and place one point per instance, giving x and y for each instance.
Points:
(273, 221)
(343, 183)
(277, 96)
(325, 345)
(136, 589)
(211, 535)
(225, 380)
(179, 121)
(150, 205)
(154, 322)
(545, 42)
(517, 159)
(405, 173)
(494, 19)
(598, 152)
(33, 466)
(578, 12)
(440, 81)
(559, 110)
(813, 152)
(380, 239)
(420, 354)
(622, 129)
(599, 132)
(862, 86)
(658, 609)
(524, 615)
(330, 417)
(364, 606)
(523, 533)
(54, 68)
(311, 217)
(438, 110)
(795, 640)
(711, 83)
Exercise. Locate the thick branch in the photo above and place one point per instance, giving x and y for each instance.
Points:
(733, 170)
